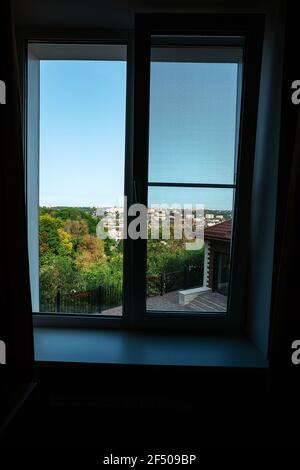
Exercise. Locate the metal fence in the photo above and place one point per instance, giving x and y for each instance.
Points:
(190, 276)
(104, 297)
(86, 302)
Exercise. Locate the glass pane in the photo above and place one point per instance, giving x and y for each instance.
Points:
(194, 112)
(188, 249)
(82, 147)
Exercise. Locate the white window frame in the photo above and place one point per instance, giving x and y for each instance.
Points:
(47, 48)
(216, 30)
(132, 317)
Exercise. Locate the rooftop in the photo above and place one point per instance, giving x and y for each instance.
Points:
(220, 231)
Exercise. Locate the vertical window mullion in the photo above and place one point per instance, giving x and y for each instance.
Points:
(140, 161)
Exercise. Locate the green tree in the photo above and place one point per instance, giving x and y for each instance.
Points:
(57, 272)
(49, 233)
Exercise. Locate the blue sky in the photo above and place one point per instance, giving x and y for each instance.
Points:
(82, 132)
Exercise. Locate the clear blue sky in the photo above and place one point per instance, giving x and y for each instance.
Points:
(82, 134)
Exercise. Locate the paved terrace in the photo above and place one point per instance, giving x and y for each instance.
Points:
(206, 302)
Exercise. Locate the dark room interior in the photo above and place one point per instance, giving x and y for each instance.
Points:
(149, 173)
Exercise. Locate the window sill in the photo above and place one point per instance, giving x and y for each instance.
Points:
(74, 345)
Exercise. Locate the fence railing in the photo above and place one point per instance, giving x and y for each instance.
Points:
(109, 296)
(90, 301)
(190, 276)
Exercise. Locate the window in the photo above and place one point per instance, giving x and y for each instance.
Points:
(177, 141)
(81, 158)
(196, 95)
(193, 141)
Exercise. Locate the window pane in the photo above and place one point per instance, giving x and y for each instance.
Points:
(193, 114)
(182, 274)
(82, 147)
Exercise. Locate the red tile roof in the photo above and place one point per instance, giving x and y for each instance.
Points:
(220, 231)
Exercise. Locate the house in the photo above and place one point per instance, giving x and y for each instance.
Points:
(217, 255)
(217, 240)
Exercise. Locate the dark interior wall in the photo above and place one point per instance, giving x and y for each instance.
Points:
(112, 14)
